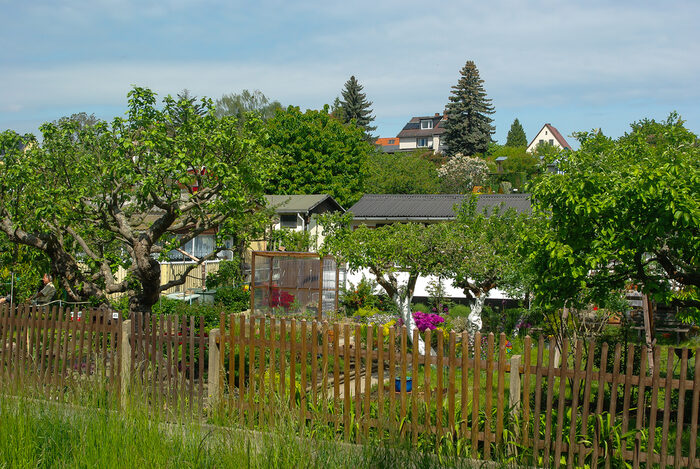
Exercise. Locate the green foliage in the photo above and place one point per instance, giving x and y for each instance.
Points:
(291, 240)
(121, 194)
(469, 128)
(459, 310)
(28, 267)
(229, 274)
(320, 155)
(355, 297)
(234, 299)
(245, 104)
(481, 251)
(401, 173)
(516, 135)
(356, 108)
(623, 211)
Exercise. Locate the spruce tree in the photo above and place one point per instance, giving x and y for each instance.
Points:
(516, 135)
(469, 128)
(356, 107)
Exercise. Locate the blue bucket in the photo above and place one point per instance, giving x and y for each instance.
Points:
(409, 384)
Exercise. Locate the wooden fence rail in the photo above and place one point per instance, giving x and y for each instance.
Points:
(354, 381)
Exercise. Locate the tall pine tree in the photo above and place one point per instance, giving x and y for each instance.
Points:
(356, 107)
(516, 135)
(469, 128)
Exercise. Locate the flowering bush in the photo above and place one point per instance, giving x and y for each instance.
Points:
(427, 320)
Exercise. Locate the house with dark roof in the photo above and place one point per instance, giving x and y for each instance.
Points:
(423, 132)
(381, 209)
(549, 135)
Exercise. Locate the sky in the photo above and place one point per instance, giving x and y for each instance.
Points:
(577, 65)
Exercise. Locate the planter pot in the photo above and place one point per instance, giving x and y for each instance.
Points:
(409, 384)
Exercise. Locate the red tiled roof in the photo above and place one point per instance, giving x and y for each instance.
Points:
(385, 141)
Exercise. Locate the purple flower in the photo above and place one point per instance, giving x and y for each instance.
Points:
(427, 320)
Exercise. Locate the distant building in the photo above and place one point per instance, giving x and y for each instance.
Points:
(549, 135)
(423, 132)
(388, 144)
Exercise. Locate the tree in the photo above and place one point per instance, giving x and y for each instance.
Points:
(320, 155)
(125, 193)
(468, 128)
(482, 251)
(396, 255)
(461, 173)
(356, 108)
(411, 173)
(516, 135)
(622, 211)
(240, 105)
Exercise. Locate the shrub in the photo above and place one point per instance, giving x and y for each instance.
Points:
(419, 307)
(427, 320)
(458, 311)
(235, 299)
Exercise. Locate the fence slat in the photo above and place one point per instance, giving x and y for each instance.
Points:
(415, 340)
(667, 406)
(501, 387)
(680, 419)
(464, 390)
(571, 450)
(251, 371)
(368, 380)
(538, 402)
(654, 406)
(402, 356)
(357, 369)
(336, 375)
(475, 394)
(260, 378)
(640, 405)
(346, 381)
(380, 387)
(602, 373)
(427, 383)
(696, 410)
(241, 368)
(561, 397)
(451, 364)
(548, 406)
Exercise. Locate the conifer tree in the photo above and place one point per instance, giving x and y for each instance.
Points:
(356, 107)
(469, 128)
(516, 135)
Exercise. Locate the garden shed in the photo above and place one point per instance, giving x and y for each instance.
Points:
(293, 283)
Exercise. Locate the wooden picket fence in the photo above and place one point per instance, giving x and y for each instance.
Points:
(52, 348)
(595, 407)
(162, 359)
(167, 359)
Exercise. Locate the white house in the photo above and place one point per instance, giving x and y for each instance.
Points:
(549, 135)
(423, 132)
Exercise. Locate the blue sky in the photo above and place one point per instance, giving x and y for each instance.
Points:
(577, 65)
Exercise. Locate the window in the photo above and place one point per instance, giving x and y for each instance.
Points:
(288, 221)
(551, 141)
(426, 124)
(391, 141)
(199, 247)
(541, 141)
(422, 142)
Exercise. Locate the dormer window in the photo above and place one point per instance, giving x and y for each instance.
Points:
(426, 124)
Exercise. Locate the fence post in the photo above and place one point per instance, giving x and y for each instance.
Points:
(125, 361)
(214, 371)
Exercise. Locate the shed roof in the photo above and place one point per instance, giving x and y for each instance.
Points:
(431, 206)
(299, 203)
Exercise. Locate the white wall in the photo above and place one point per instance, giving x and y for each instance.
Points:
(545, 135)
(421, 285)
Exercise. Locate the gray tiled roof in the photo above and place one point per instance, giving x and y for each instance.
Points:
(432, 206)
(299, 203)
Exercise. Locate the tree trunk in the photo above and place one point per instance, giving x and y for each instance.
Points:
(474, 318)
(148, 276)
(404, 305)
